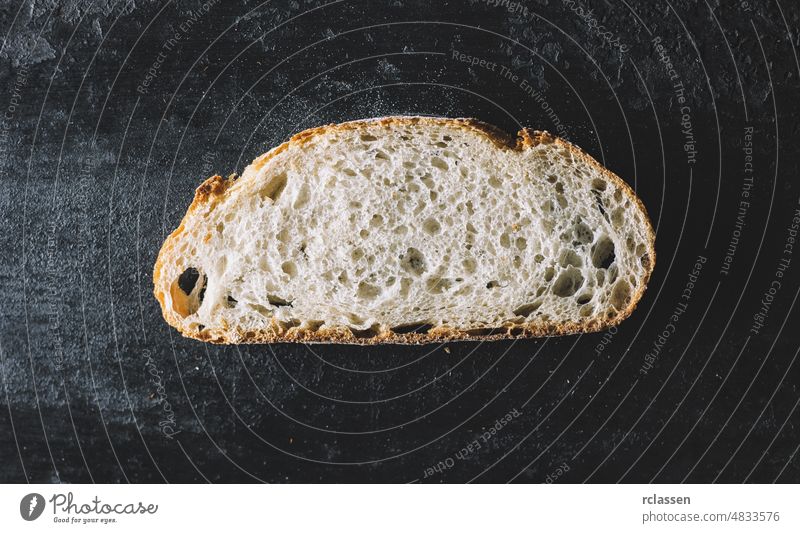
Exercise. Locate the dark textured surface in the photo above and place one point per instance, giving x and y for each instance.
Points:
(100, 160)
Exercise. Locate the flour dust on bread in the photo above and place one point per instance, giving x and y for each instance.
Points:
(407, 229)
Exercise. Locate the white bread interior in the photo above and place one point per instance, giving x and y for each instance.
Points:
(407, 230)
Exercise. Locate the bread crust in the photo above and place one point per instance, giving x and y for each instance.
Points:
(212, 191)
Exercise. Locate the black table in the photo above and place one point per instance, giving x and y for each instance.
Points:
(112, 115)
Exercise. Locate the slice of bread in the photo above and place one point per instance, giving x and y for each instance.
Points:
(407, 230)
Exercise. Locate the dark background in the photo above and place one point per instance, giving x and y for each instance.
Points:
(98, 166)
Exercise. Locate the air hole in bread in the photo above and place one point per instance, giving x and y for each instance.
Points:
(367, 138)
(540, 291)
(289, 268)
(521, 243)
(413, 262)
(538, 258)
(314, 325)
(231, 301)
(431, 226)
(549, 272)
(612, 274)
(440, 163)
(598, 184)
(368, 291)
(586, 310)
(569, 257)
(583, 233)
(494, 182)
(598, 198)
(277, 301)
(551, 179)
(505, 240)
(568, 282)
(493, 284)
(526, 309)
(355, 319)
(621, 295)
(274, 187)
(376, 221)
(617, 217)
(286, 325)
(469, 265)
(357, 254)
(187, 292)
(584, 298)
(603, 252)
(188, 279)
(368, 333)
(416, 327)
(381, 155)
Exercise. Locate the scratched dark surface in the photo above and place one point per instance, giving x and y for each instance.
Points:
(113, 112)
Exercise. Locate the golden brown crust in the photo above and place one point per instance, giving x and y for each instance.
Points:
(213, 190)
